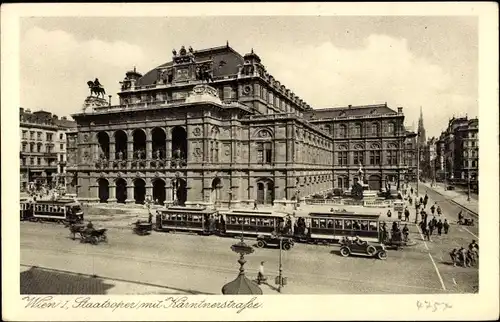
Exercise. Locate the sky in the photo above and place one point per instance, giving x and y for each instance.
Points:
(409, 61)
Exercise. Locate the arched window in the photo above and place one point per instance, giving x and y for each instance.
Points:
(374, 129)
(358, 154)
(390, 128)
(392, 154)
(357, 130)
(342, 155)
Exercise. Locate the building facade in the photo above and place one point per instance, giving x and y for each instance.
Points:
(42, 137)
(214, 127)
(457, 151)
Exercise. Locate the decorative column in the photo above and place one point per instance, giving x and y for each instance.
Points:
(130, 194)
(149, 190)
(112, 193)
(130, 153)
(149, 150)
(112, 152)
(94, 192)
(168, 193)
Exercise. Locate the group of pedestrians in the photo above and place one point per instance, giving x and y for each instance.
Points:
(465, 257)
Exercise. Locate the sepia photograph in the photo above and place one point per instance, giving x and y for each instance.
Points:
(215, 155)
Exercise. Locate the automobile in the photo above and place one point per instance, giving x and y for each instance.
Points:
(450, 187)
(269, 240)
(143, 228)
(349, 247)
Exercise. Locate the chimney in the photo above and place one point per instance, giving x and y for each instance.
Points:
(21, 110)
(349, 106)
(109, 102)
(400, 110)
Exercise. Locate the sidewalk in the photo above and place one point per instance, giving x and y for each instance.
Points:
(455, 197)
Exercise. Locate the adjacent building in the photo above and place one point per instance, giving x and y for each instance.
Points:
(43, 147)
(212, 126)
(457, 151)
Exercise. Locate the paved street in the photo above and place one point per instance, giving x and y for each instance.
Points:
(182, 263)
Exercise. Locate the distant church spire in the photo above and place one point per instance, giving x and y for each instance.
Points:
(421, 129)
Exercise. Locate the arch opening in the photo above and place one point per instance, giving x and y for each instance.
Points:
(103, 190)
(139, 191)
(103, 141)
(374, 182)
(159, 194)
(216, 190)
(179, 145)
(265, 192)
(121, 190)
(121, 145)
(180, 189)
(139, 145)
(159, 140)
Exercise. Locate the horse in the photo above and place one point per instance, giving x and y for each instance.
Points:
(95, 89)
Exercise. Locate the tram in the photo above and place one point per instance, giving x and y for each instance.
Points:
(252, 222)
(193, 219)
(331, 227)
(61, 211)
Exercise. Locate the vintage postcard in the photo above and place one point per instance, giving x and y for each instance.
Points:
(258, 162)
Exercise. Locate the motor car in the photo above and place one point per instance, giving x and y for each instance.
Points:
(348, 248)
(267, 240)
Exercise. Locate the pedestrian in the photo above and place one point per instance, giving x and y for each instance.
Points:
(255, 205)
(439, 210)
(474, 245)
(433, 208)
(261, 277)
(463, 256)
(421, 201)
(411, 190)
(431, 227)
(446, 226)
(454, 255)
(389, 214)
(406, 232)
(439, 227)
(428, 234)
(407, 214)
(150, 218)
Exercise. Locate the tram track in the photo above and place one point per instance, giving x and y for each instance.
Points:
(226, 270)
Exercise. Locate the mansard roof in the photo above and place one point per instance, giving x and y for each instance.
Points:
(357, 111)
(225, 62)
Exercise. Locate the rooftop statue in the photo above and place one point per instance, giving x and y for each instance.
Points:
(96, 88)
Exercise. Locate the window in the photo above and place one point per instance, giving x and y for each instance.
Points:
(61, 157)
(23, 160)
(390, 128)
(32, 161)
(342, 133)
(24, 147)
(32, 135)
(375, 157)
(61, 146)
(357, 130)
(264, 153)
(342, 158)
(25, 134)
(39, 135)
(338, 223)
(61, 136)
(373, 225)
(348, 224)
(32, 147)
(358, 157)
(392, 157)
(39, 148)
(38, 161)
(374, 129)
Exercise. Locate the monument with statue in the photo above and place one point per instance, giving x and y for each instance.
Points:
(360, 189)
(92, 101)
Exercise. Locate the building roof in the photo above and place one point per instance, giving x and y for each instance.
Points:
(241, 285)
(225, 62)
(356, 111)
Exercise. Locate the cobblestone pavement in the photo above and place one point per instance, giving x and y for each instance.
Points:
(194, 263)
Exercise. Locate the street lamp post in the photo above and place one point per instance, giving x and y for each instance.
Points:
(468, 184)
(280, 279)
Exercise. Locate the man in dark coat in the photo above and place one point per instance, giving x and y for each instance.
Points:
(433, 209)
(446, 226)
(411, 190)
(439, 226)
(407, 214)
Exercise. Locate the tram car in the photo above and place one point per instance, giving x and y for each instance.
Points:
(26, 209)
(253, 222)
(187, 219)
(62, 211)
(331, 227)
